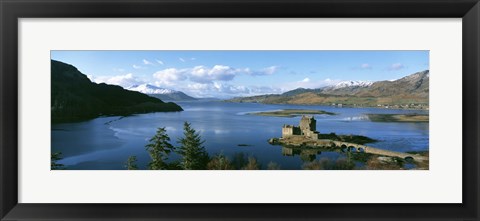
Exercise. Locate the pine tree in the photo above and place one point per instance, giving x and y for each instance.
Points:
(159, 148)
(131, 163)
(194, 154)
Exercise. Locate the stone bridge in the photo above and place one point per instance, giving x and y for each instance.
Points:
(352, 147)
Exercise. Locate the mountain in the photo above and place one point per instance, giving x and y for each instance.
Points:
(408, 92)
(345, 84)
(346, 87)
(415, 85)
(298, 91)
(75, 97)
(150, 89)
(161, 93)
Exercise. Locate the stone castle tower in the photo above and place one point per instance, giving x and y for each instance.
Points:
(307, 128)
(308, 123)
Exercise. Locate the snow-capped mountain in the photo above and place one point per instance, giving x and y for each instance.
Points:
(150, 89)
(352, 84)
(160, 93)
(412, 85)
(410, 89)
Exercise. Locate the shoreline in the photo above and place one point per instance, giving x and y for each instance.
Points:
(290, 113)
(335, 106)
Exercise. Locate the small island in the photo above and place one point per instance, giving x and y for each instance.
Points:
(244, 145)
(408, 118)
(290, 113)
(305, 136)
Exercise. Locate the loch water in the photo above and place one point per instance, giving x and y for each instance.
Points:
(105, 143)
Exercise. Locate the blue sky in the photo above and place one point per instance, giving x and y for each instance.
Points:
(226, 74)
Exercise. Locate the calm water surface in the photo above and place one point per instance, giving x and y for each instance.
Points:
(105, 143)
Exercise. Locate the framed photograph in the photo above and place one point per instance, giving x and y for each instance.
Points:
(228, 110)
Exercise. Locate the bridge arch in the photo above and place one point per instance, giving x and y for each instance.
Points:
(352, 149)
(343, 147)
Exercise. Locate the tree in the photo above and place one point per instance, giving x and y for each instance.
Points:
(252, 164)
(194, 155)
(159, 148)
(273, 166)
(54, 157)
(131, 163)
(239, 160)
(220, 162)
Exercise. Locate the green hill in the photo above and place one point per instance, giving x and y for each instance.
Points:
(408, 92)
(75, 97)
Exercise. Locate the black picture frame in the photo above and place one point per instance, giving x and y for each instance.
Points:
(12, 10)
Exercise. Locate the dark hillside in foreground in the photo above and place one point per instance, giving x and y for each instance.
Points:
(75, 97)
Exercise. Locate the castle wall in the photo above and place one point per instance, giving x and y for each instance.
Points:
(308, 123)
(310, 134)
(307, 128)
(290, 130)
(287, 131)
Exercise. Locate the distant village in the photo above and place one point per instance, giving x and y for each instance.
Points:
(412, 106)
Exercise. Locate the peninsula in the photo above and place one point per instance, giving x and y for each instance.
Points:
(408, 118)
(290, 113)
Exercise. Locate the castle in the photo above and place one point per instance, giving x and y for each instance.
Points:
(307, 128)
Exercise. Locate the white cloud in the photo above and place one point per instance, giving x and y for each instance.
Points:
(198, 74)
(225, 90)
(396, 66)
(270, 70)
(265, 71)
(147, 62)
(125, 81)
(203, 81)
(197, 86)
(137, 66)
(366, 66)
(159, 61)
(204, 74)
(187, 59)
(170, 76)
(305, 80)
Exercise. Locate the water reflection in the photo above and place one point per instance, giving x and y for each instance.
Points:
(106, 143)
(306, 155)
